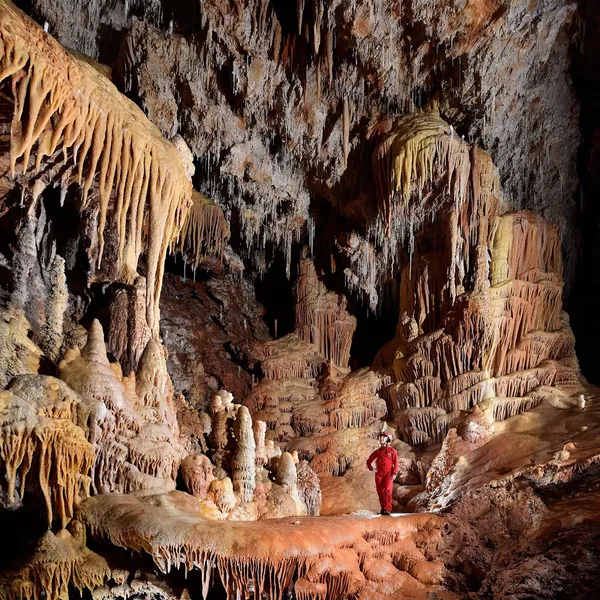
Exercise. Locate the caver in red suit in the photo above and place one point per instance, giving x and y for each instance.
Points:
(386, 461)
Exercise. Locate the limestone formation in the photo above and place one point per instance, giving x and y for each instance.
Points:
(56, 307)
(337, 553)
(240, 465)
(182, 413)
(205, 232)
(197, 473)
(39, 432)
(19, 355)
(136, 440)
(62, 104)
(481, 306)
(128, 332)
(58, 562)
(243, 462)
(321, 316)
(329, 418)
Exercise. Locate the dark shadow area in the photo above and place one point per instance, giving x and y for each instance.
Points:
(373, 331)
(583, 303)
(275, 292)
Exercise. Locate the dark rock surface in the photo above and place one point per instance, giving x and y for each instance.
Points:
(206, 327)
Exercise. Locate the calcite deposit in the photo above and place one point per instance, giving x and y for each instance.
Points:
(254, 237)
(480, 299)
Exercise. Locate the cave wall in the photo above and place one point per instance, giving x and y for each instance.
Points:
(206, 327)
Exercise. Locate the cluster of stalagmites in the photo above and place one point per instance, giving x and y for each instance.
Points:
(480, 300)
(310, 402)
(94, 428)
(247, 476)
(89, 429)
(330, 417)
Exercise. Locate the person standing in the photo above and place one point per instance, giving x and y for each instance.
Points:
(386, 462)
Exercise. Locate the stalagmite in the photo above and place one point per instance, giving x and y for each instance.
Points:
(128, 332)
(18, 354)
(58, 562)
(321, 316)
(56, 307)
(61, 103)
(286, 472)
(309, 488)
(260, 453)
(197, 473)
(26, 254)
(244, 468)
(137, 439)
(222, 493)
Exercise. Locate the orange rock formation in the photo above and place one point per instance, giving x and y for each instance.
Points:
(64, 104)
(332, 557)
(321, 316)
(480, 297)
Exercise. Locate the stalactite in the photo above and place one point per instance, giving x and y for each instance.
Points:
(38, 429)
(407, 157)
(205, 232)
(329, 54)
(56, 307)
(63, 103)
(300, 14)
(307, 590)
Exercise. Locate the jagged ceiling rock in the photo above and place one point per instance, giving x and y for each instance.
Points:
(278, 104)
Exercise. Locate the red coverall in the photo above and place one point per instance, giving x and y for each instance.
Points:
(386, 459)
